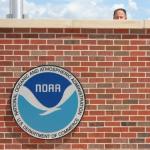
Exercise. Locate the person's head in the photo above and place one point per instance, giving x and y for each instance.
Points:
(120, 14)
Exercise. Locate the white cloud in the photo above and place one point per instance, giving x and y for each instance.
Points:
(116, 6)
(4, 8)
(71, 9)
(74, 9)
(132, 5)
(32, 10)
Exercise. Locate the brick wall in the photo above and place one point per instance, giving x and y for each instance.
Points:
(113, 65)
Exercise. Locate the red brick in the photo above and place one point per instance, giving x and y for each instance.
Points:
(105, 42)
(120, 129)
(112, 135)
(137, 31)
(104, 140)
(63, 36)
(128, 134)
(38, 41)
(30, 35)
(29, 146)
(136, 129)
(21, 41)
(129, 59)
(13, 35)
(21, 30)
(1, 47)
(21, 53)
(80, 58)
(97, 47)
(54, 42)
(137, 107)
(12, 47)
(62, 146)
(72, 63)
(5, 41)
(129, 36)
(38, 30)
(144, 59)
(46, 36)
(104, 118)
(13, 58)
(6, 74)
(129, 48)
(29, 47)
(46, 146)
(137, 74)
(144, 112)
(122, 63)
(72, 30)
(87, 130)
(139, 96)
(105, 30)
(80, 47)
(22, 63)
(96, 113)
(6, 30)
(63, 47)
(121, 42)
(79, 146)
(144, 36)
(55, 53)
(66, 140)
(55, 30)
(2, 36)
(88, 53)
(88, 30)
(6, 141)
(120, 140)
(113, 36)
(129, 80)
(46, 58)
(143, 79)
(113, 59)
(1, 146)
(113, 90)
(145, 47)
(79, 135)
(122, 75)
(30, 58)
(112, 146)
(46, 47)
(113, 47)
(80, 36)
(137, 118)
(87, 42)
(112, 124)
(138, 42)
(121, 31)
(97, 90)
(80, 69)
(6, 63)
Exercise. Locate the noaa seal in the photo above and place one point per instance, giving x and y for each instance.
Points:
(48, 102)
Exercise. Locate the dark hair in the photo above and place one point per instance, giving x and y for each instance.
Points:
(120, 9)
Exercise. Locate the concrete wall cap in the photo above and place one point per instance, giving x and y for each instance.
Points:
(27, 23)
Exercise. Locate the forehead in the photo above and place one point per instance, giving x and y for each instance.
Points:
(119, 12)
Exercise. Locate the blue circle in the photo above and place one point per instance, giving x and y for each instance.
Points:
(48, 99)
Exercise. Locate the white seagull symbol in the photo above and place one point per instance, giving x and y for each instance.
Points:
(25, 92)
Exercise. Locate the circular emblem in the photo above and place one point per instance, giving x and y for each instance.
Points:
(48, 102)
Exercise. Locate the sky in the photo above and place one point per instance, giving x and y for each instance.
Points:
(80, 9)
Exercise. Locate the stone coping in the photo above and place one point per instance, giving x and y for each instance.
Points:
(44, 23)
